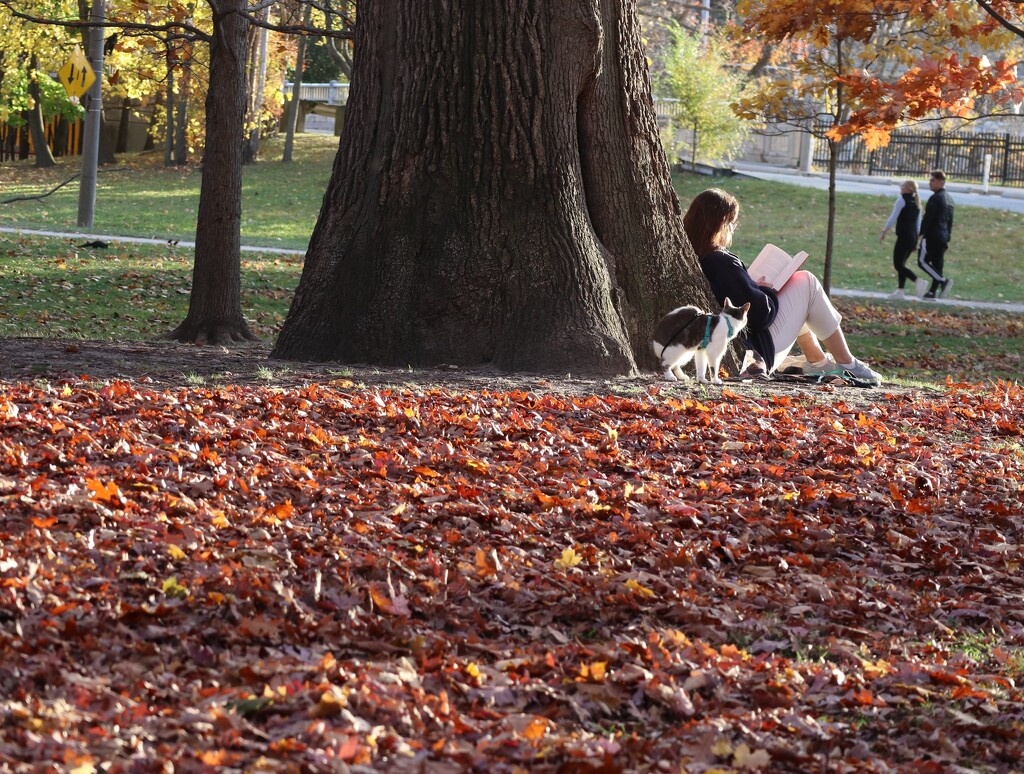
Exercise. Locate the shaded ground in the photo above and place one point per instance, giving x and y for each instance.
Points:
(168, 364)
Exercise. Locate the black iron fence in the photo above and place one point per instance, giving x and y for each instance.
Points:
(914, 153)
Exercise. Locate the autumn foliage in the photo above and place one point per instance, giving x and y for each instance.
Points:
(868, 67)
(307, 579)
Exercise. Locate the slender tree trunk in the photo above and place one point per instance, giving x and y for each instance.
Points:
(257, 81)
(215, 306)
(293, 103)
(123, 125)
(44, 156)
(181, 113)
(500, 195)
(830, 233)
(169, 114)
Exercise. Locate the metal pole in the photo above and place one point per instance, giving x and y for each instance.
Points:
(91, 139)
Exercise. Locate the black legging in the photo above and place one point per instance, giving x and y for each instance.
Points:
(900, 252)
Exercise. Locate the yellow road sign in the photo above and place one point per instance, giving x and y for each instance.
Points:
(77, 74)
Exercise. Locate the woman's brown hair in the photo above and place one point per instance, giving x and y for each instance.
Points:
(708, 218)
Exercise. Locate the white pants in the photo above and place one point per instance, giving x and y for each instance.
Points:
(803, 306)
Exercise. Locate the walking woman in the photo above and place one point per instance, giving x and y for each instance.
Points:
(906, 217)
(800, 312)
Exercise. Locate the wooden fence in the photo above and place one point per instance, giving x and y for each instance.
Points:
(63, 137)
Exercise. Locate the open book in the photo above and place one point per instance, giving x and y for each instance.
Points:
(775, 265)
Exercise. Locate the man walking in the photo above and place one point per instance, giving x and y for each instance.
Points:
(936, 229)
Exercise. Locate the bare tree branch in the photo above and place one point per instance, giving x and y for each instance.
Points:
(1018, 31)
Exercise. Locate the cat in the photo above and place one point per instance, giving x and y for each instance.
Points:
(690, 333)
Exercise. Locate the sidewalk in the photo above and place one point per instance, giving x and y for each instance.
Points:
(966, 194)
(76, 235)
(841, 292)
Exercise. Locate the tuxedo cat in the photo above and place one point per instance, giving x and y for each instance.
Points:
(690, 333)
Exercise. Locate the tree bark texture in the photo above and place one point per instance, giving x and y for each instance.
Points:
(499, 196)
(215, 305)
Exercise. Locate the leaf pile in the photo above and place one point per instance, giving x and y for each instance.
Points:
(333, 579)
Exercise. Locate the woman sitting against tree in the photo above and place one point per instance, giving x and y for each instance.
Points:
(800, 312)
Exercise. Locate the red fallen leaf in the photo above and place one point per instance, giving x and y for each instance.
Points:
(217, 757)
(381, 596)
(42, 523)
(967, 692)
(547, 502)
(103, 492)
(863, 697)
(487, 563)
(282, 511)
(350, 749)
(947, 678)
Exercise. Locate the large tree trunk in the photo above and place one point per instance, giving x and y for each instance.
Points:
(215, 306)
(499, 196)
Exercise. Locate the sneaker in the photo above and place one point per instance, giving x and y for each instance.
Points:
(860, 370)
(921, 286)
(929, 295)
(897, 294)
(944, 287)
(753, 366)
(826, 366)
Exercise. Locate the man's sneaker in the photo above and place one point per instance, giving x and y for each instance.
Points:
(929, 295)
(944, 287)
(897, 294)
(860, 370)
(921, 285)
(826, 366)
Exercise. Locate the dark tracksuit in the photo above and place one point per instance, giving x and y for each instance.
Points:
(936, 229)
(906, 239)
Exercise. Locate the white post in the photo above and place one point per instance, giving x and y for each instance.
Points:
(806, 151)
(985, 173)
(91, 136)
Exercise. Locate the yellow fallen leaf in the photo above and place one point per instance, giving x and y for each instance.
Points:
(569, 559)
(176, 552)
(639, 588)
(722, 749)
(745, 758)
(174, 589)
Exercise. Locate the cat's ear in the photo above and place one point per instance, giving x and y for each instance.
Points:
(726, 303)
(745, 308)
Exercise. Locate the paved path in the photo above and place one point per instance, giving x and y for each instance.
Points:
(76, 235)
(966, 194)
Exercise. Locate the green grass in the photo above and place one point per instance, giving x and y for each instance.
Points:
(280, 202)
(52, 288)
(983, 258)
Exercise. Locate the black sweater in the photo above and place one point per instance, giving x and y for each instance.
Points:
(937, 223)
(728, 278)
